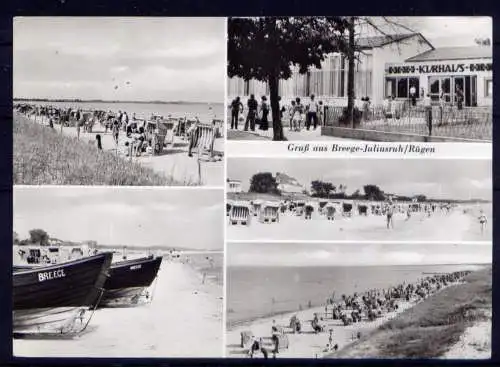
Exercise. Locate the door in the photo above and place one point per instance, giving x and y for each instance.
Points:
(434, 87)
(459, 83)
(446, 88)
(473, 91)
(468, 92)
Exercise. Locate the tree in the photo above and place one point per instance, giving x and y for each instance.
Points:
(39, 236)
(421, 198)
(264, 183)
(266, 49)
(350, 72)
(353, 48)
(322, 189)
(356, 194)
(373, 192)
(15, 238)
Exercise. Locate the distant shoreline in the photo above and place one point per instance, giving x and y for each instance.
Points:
(241, 196)
(105, 101)
(232, 324)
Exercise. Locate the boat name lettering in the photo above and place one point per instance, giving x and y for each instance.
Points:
(49, 275)
(135, 267)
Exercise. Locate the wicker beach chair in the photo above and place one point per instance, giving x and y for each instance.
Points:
(205, 139)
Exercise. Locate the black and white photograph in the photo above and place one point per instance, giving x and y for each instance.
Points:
(100, 272)
(119, 101)
(310, 199)
(398, 300)
(360, 78)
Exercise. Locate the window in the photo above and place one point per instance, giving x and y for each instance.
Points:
(438, 84)
(390, 87)
(400, 87)
(488, 90)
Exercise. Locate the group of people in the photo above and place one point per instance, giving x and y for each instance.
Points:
(368, 305)
(256, 113)
(138, 135)
(299, 114)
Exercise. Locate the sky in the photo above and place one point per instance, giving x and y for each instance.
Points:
(440, 31)
(132, 217)
(130, 59)
(329, 254)
(435, 178)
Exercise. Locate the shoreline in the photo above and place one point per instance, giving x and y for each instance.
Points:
(230, 325)
(311, 345)
(439, 327)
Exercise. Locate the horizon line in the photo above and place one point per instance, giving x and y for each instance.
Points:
(340, 265)
(78, 100)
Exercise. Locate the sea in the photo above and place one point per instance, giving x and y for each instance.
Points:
(257, 292)
(145, 110)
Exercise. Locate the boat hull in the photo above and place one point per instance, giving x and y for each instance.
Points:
(47, 296)
(128, 281)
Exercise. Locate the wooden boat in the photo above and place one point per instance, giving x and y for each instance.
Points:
(48, 299)
(128, 282)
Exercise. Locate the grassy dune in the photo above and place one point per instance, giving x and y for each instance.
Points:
(430, 328)
(43, 156)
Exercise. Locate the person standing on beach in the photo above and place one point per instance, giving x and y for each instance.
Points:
(312, 113)
(482, 221)
(193, 133)
(252, 113)
(98, 140)
(236, 107)
(115, 129)
(389, 211)
(79, 123)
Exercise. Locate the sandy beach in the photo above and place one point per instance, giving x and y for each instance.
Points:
(307, 344)
(456, 226)
(475, 343)
(174, 161)
(183, 320)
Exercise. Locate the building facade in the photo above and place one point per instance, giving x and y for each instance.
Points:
(233, 186)
(387, 66)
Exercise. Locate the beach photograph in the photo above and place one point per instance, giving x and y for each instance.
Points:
(118, 101)
(370, 300)
(99, 272)
(354, 78)
(310, 199)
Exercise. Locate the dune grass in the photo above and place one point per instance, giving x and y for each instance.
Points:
(43, 156)
(430, 328)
